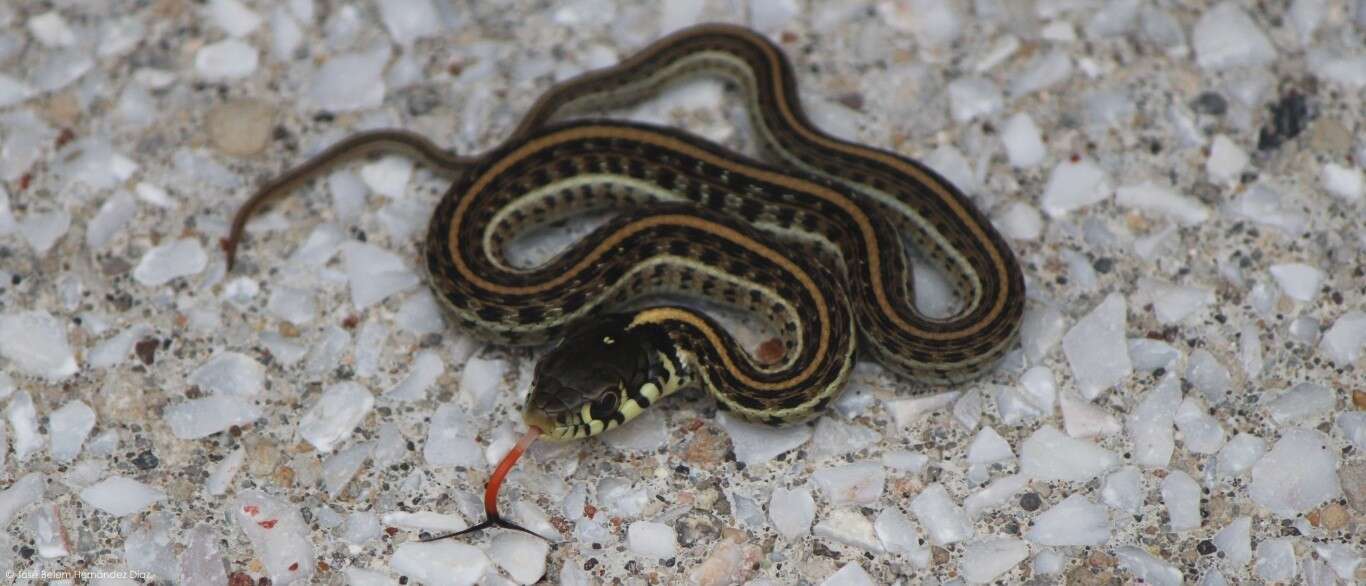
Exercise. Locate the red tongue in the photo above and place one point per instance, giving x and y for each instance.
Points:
(504, 467)
(491, 491)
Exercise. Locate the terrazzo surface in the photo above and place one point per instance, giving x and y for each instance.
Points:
(1181, 181)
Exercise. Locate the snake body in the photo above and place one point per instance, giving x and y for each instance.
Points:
(811, 241)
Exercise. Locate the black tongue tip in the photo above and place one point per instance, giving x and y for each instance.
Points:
(487, 523)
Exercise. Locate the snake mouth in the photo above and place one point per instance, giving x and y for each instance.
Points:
(553, 429)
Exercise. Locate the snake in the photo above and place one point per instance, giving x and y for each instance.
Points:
(809, 236)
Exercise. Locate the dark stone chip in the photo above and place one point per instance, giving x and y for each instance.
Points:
(1030, 501)
(146, 460)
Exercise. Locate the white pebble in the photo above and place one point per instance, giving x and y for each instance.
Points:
(1083, 419)
(1146, 567)
(202, 561)
(1275, 560)
(1300, 402)
(851, 484)
(1023, 142)
(1123, 490)
(51, 30)
(335, 415)
(646, 433)
(278, 534)
(1235, 541)
(1149, 425)
(351, 81)
(1048, 563)
(13, 91)
(1074, 521)
(230, 373)
(994, 495)
(900, 536)
(410, 20)
(1344, 340)
(450, 439)
(388, 176)
(791, 511)
(420, 314)
(1209, 376)
(1049, 455)
(113, 214)
(999, 52)
(119, 496)
(1226, 37)
(19, 495)
(906, 461)
(67, 429)
(292, 304)
(1347, 183)
(43, 350)
(1200, 432)
(851, 574)
(1297, 475)
(220, 478)
(1040, 331)
(374, 273)
(1181, 495)
(42, 230)
(177, 258)
(1043, 72)
(1353, 426)
(850, 528)
(943, 519)
(348, 194)
(1239, 454)
(480, 381)
(1250, 351)
(338, 469)
(1148, 354)
(1226, 160)
(1073, 185)
(1097, 349)
(440, 562)
(226, 60)
(988, 447)
(934, 23)
(973, 97)
(837, 438)
(23, 422)
(651, 540)
(522, 556)
(1020, 221)
(427, 367)
(1299, 281)
(772, 15)
(986, 559)
(758, 444)
(233, 17)
(1149, 196)
(197, 418)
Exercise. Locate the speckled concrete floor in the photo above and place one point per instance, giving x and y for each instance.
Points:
(1197, 163)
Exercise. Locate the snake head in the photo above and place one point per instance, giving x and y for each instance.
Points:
(586, 383)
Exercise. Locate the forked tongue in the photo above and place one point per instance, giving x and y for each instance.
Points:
(491, 516)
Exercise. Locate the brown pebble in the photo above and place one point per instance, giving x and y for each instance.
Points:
(1359, 400)
(241, 128)
(940, 555)
(284, 476)
(770, 351)
(288, 330)
(1331, 517)
(146, 350)
(239, 579)
(1354, 485)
